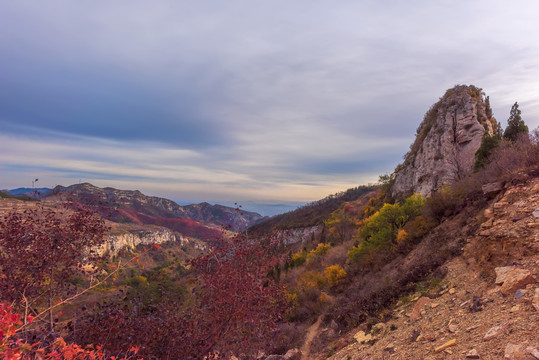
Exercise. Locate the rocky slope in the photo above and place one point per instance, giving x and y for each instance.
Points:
(446, 142)
(486, 307)
(134, 202)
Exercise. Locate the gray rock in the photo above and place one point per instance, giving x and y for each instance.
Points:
(492, 188)
(520, 293)
(515, 352)
(494, 332)
(512, 278)
(472, 354)
(446, 143)
(292, 354)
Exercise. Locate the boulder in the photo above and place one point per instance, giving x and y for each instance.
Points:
(512, 278)
(494, 332)
(362, 338)
(515, 352)
(472, 354)
(419, 305)
(292, 354)
(492, 189)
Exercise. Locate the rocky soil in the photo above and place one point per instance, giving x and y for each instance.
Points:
(487, 306)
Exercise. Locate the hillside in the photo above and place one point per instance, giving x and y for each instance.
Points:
(486, 305)
(311, 214)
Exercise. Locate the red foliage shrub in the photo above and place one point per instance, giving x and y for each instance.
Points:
(236, 308)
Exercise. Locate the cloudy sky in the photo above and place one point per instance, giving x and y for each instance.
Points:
(257, 102)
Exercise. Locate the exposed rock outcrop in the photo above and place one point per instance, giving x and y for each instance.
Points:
(301, 235)
(131, 239)
(446, 142)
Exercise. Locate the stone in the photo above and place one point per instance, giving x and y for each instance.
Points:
(274, 357)
(434, 305)
(520, 293)
(471, 328)
(492, 189)
(533, 351)
(472, 354)
(512, 278)
(292, 354)
(390, 348)
(453, 328)
(379, 328)
(362, 338)
(494, 332)
(535, 301)
(451, 342)
(488, 213)
(452, 291)
(535, 213)
(515, 352)
(502, 274)
(416, 311)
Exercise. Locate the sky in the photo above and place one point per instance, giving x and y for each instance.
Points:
(270, 104)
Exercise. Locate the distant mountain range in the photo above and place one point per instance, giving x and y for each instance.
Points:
(203, 221)
(31, 192)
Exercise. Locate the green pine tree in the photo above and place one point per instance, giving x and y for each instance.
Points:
(515, 124)
(488, 144)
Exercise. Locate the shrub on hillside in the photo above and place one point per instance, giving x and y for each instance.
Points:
(510, 157)
(321, 250)
(299, 258)
(380, 231)
(482, 155)
(311, 280)
(335, 275)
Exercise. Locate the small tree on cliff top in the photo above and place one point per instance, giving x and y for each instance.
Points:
(515, 124)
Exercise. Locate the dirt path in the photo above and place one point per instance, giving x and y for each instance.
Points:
(311, 333)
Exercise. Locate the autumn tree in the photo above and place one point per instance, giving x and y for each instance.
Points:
(235, 308)
(515, 124)
(41, 249)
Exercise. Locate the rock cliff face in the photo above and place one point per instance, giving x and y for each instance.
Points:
(446, 142)
(301, 235)
(131, 239)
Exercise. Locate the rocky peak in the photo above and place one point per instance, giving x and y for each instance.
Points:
(446, 142)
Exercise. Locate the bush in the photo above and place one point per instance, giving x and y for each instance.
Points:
(311, 280)
(482, 155)
(299, 258)
(321, 250)
(381, 229)
(335, 275)
(137, 281)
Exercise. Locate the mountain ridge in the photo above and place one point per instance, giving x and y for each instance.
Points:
(157, 207)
